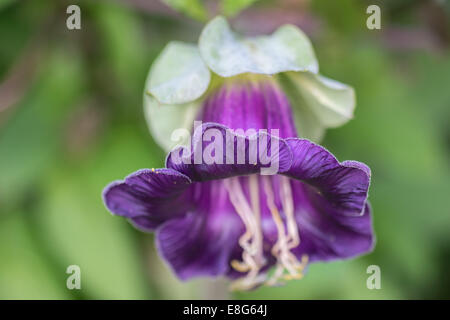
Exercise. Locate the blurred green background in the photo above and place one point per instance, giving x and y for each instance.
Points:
(71, 121)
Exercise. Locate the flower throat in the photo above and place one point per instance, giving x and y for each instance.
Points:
(250, 104)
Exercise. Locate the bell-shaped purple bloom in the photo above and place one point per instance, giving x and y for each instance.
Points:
(228, 217)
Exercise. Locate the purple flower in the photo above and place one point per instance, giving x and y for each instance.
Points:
(226, 218)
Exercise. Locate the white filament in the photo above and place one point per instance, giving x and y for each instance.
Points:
(252, 239)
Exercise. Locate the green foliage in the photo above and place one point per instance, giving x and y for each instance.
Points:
(192, 8)
(24, 272)
(51, 211)
(196, 9)
(74, 222)
(29, 140)
(233, 7)
(4, 3)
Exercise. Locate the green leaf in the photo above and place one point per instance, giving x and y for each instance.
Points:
(163, 119)
(233, 7)
(178, 75)
(229, 54)
(192, 8)
(318, 102)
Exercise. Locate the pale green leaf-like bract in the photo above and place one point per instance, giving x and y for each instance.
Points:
(227, 53)
(178, 75)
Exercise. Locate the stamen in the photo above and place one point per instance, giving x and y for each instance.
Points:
(288, 208)
(254, 199)
(286, 260)
(251, 240)
(239, 202)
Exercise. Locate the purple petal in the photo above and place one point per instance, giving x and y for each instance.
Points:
(344, 185)
(330, 201)
(202, 242)
(254, 147)
(148, 197)
(325, 234)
